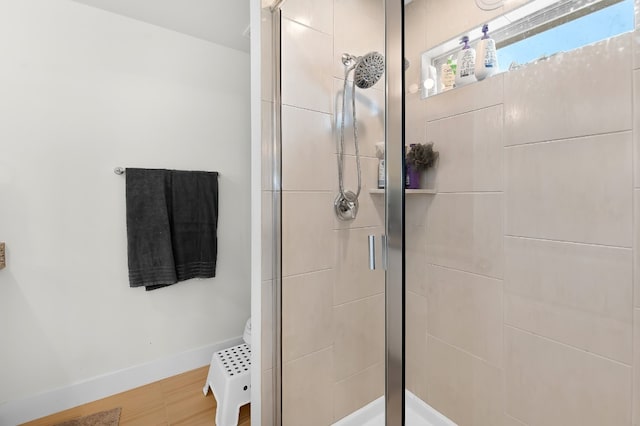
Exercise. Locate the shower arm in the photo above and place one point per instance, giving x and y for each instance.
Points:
(349, 60)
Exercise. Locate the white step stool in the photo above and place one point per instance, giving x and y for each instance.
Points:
(230, 380)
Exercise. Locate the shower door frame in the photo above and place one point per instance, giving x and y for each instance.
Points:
(394, 214)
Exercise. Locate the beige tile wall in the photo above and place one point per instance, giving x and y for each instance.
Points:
(333, 321)
(530, 241)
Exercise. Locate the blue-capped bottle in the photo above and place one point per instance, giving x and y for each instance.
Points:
(486, 58)
(466, 69)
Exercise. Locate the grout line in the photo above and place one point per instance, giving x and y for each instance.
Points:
(568, 242)
(302, 274)
(514, 417)
(288, 18)
(369, 367)
(361, 299)
(466, 272)
(466, 352)
(473, 111)
(471, 192)
(306, 109)
(548, 339)
(326, 348)
(568, 139)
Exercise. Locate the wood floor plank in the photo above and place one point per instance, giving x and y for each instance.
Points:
(177, 400)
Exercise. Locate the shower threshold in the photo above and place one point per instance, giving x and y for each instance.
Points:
(418, 413)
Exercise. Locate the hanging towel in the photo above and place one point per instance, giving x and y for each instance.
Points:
(172, 218)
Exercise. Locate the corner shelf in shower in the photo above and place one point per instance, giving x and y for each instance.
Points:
(407, 191)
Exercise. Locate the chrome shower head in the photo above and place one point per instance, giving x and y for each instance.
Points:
(368, 70)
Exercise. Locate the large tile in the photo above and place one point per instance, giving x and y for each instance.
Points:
(462, 387)
(307, 240)
(267, 326)
(414, 39)
(470, 146)
(267, 241)
(307, 390)
(416, 267)
(636, 242)
(266, 55)
(416, 344)
(358, 336)
(353, 278)
(266, 402)
(636, 127)
(415, 112)
(636, 367)
(416, 210)
(267, 145)
(636, 39)
(549, 383)
(307, 314)
(308, 161)
(352, 20)
(416, 326)
(371, 208)
(311, 13)
(510, 421)
(306, 67)
(573, 293)
(445, 19)
(542, 102)
(483, 94)
(370, 107)
(357, 391)
(572, 190)
(465, 310)
(465, 231)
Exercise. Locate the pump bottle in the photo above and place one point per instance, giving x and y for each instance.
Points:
(466, 64)
(486, 59)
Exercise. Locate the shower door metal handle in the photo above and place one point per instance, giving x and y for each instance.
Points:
(383, 239)
(372, 252)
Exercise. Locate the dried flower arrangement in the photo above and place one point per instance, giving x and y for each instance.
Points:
(422, 156)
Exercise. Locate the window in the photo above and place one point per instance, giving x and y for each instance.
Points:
(542, 28)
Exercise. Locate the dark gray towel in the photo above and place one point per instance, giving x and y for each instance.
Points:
(172, 219)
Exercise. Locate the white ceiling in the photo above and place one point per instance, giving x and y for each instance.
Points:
(219, 21)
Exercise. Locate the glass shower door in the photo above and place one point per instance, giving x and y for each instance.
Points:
(332, 316)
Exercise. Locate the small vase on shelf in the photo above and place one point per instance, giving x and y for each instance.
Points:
(413, 177)
(419, 158)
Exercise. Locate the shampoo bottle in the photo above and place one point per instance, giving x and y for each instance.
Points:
(381, 170)
(466, 64)
(486, 59)
(447, 75)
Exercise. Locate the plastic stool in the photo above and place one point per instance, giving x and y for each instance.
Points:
(230, 380)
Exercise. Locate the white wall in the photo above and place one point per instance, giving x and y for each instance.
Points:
(83, 91)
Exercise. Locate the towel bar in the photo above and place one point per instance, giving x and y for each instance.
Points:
(121, 170)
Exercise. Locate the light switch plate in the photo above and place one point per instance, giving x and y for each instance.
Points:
(2, 258)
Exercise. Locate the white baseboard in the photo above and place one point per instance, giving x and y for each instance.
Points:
(44, 404)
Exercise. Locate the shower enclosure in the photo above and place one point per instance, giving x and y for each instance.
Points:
(502, 291)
